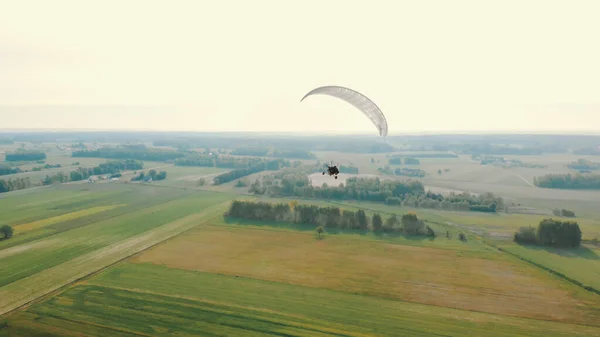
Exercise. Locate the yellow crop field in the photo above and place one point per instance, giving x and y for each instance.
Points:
(64, 217)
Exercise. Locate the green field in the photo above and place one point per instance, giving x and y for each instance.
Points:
(159, 259)
(142, 299)
(65, 238)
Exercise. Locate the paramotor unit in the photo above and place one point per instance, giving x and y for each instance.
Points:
(332, 170)
(358, 100)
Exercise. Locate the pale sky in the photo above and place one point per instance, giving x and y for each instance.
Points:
(229, 65)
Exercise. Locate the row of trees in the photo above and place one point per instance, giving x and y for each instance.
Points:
(397, 160)
(569, 181)
(584, 165)
(14, 184)
(272, 165)
(264, 151)
(5, 169)
(408, 172)
(227, 162)
(317, 143)
(328, 217)
(130, 153)
(551, 232)
(409, 193)
(402, 171)
(23, 155)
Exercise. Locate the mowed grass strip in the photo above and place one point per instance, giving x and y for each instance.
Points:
(65, 217)
(486, 281)
(28, 289)
(146, 299)
(581, 264)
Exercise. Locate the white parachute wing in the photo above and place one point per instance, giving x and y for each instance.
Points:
(358, 100)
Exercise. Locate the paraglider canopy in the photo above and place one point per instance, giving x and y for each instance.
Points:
(358, 100)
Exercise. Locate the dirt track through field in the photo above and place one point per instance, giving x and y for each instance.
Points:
(22, 292)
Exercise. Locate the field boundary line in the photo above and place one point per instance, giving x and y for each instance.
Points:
(547, 269)
(113, 254)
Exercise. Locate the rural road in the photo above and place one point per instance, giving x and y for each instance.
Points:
(525, 180)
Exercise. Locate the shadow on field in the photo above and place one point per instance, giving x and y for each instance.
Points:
(581, 252)
(328, 231)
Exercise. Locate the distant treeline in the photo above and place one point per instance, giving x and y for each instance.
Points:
(584, 165)
(228, 162)
(588, 151)
(403, 160)
(271, 165)
(402, 171)
(14, 184)
(409, 193)
(328, 217)
(258, 144)
(425, 155)
(133, 152)
(263, 151)
(550, 232)
(500, 150)
(577, 181)
(463, 143)
(23, 155)
(501, 161)
(349, 169)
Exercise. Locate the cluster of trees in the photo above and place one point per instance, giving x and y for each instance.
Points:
(551, 232)
(399, 160)
(152, 174)
(409, 193)
(569, 181)
(23, 155)
(6, 231)
(563, 212)
(138, 153)
(110, 167)
(272, 165)
(328, 217)
(14, 184)
(5, 169)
